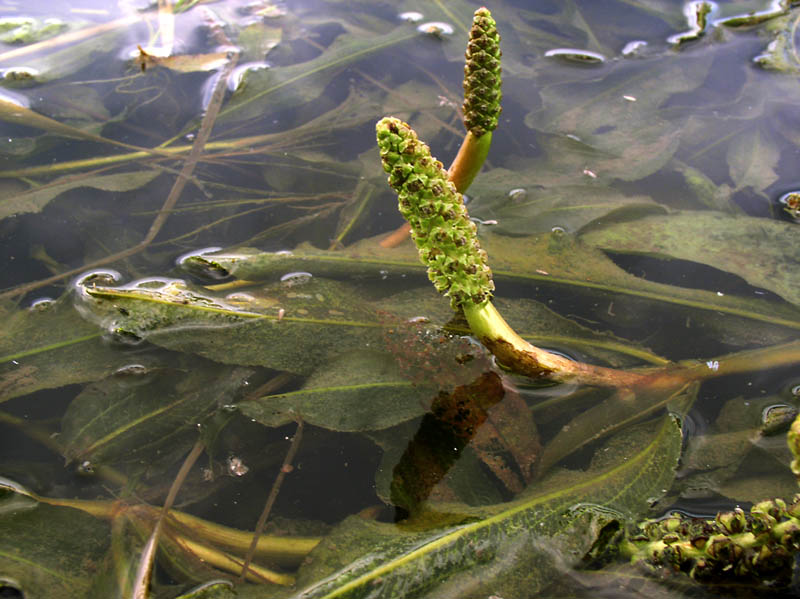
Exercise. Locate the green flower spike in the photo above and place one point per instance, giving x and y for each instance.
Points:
(481, 98)
(482, 75)
(446, 238)
(448, 244)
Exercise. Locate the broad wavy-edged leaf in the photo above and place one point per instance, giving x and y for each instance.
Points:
(360, 391)
(722, 459)
(128, 418)
(512, 549)
(295, 325)
(752, 159)
(37, 198)
(51, 346)
(552, 258)
(763, 252)
(593, 126)
(50, 552)
(521, 206)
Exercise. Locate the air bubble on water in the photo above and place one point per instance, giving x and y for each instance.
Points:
(384, 274)
(86, 467)
(20, 74)
(562, 354)
(154, 283)
(236, 78)
(576, 55)
(131, 370)
(634, 48)
(791, 204)
(123, 336)
(100, 276)
(436, 28)
(411, 16)
(777, 418)
(236, 467)
(418, 319)
(194, 253)
(240, 297)
(517, 194)
(296, 278)
(41, 304)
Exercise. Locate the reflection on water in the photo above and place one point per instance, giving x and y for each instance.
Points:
(637, 207)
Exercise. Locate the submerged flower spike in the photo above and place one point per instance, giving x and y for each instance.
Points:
(482, 75)
(446, 238)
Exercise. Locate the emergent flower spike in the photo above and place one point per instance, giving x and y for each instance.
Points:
(446, 238)
(482, 75)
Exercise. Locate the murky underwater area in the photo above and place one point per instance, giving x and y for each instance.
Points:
(200, 309)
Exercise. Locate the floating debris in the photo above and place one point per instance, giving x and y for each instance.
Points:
(575, 55)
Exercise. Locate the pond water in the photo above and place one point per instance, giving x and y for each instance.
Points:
(199, 310)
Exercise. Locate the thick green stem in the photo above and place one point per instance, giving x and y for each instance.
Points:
(517, 354)
(469, 160)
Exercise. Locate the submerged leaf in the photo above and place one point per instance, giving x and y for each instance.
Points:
(120, 419)
(50, 552)
(516, 200)
(294, 325)
(514, 548)
(553, 258)
(266, 90)
(763, 252)
(359, 391)
(51, 346)
(37, 198)
(752, 160)
(598, 127)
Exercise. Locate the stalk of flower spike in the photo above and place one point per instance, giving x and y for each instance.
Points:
(481, 107)
(735, 547)
(482, 97)
(448, 244)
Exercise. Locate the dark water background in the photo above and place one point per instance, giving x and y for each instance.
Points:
(298, 188)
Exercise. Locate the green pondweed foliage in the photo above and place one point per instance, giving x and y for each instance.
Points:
(629, 210)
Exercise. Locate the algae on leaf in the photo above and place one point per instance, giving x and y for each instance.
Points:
(358, 391)
(49, 552)
(50, 346)
(511, 548)
(137, 417)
